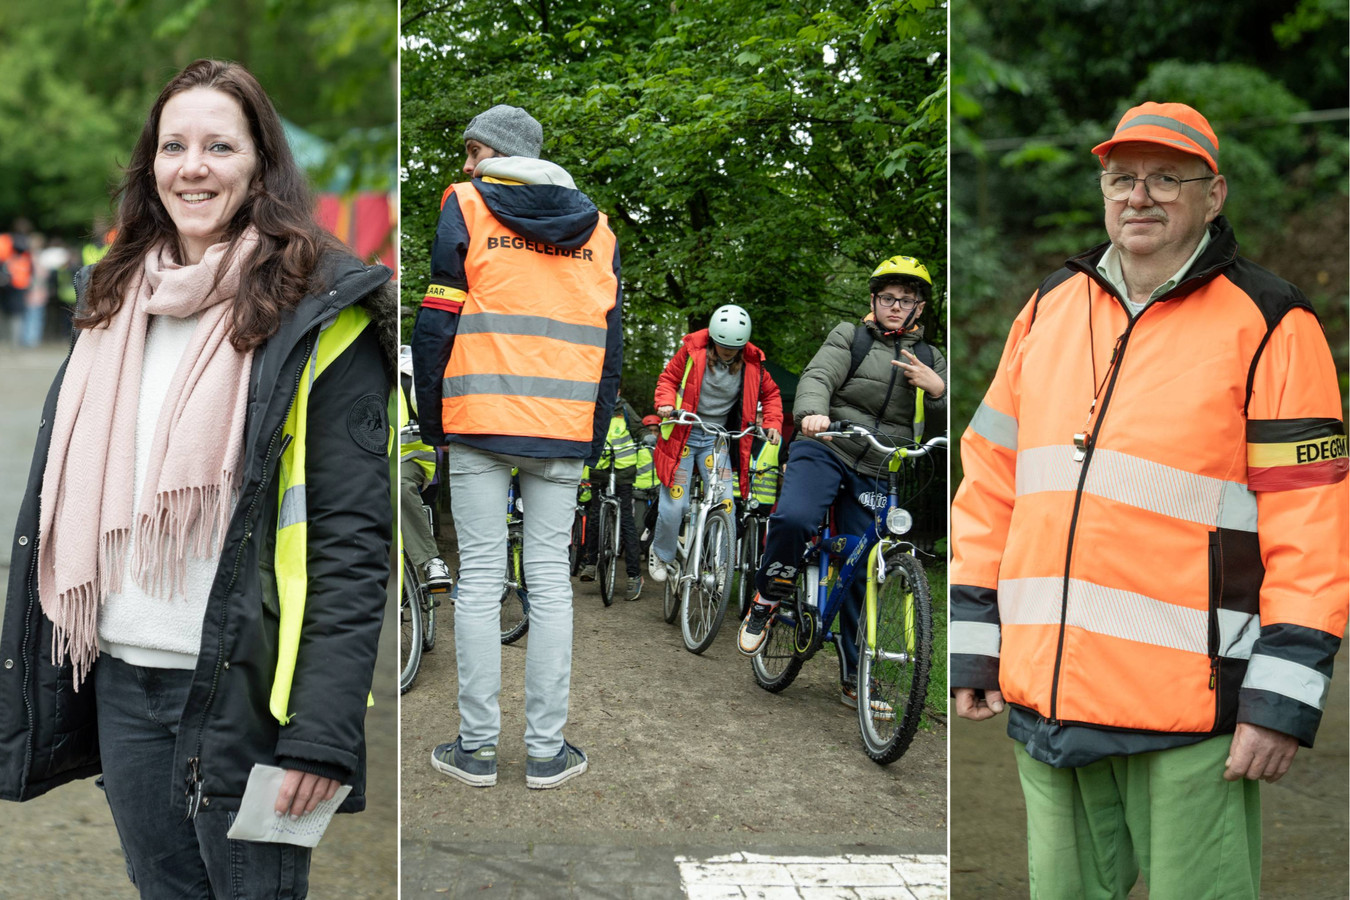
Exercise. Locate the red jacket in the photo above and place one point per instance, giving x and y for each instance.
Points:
(686, 369)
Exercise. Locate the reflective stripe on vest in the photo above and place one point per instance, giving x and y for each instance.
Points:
(764, 476)
(292, 543)
(646, 469)
(531, 309)
(411, 445)
(621, 443)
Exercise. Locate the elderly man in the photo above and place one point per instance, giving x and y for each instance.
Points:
(1150, 541)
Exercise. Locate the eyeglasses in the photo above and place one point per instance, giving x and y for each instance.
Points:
(889, 302)
(1159, 187)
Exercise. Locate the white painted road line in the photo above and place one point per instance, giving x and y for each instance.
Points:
(752, 876)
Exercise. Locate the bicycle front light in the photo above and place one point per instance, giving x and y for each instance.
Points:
(899, 521)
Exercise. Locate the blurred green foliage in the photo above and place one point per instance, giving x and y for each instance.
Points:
(1271, 78)
(78, 76)
(746, 151)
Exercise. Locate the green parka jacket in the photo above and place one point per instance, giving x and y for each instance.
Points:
(878, 394)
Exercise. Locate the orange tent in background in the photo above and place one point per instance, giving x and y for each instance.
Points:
(366, 221)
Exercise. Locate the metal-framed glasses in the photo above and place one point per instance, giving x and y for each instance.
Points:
(1161, 188)
(905, 303)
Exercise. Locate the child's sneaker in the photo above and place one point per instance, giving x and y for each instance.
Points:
(755, 627)
(848, 695)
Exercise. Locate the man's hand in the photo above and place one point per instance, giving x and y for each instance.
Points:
(920, 375)
(1259, 753)
(969, 705)
(302, 791)
(814, 425)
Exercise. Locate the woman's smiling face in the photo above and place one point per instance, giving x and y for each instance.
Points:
(205, 163)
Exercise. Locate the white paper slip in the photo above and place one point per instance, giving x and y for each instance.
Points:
(257, 819)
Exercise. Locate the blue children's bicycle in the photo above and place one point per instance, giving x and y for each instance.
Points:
(895, 627)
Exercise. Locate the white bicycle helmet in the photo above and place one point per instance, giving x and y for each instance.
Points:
(729, 326)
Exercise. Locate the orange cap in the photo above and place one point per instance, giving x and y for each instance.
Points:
(1174, 125)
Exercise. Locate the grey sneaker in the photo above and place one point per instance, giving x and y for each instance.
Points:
(634, 587)
(588, 573)
(478, 768)
(544, 773)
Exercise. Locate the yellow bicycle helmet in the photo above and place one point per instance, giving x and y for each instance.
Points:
(904, 270)
(902, 265)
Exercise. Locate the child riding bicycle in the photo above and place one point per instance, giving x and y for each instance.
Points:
(720, 375)
(872, 372)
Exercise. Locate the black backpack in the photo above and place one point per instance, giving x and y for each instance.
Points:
(862, 345)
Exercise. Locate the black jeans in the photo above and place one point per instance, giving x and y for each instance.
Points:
(627, 529)
(168, 856)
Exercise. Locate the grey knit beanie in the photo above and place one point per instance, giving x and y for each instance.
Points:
(509, 130)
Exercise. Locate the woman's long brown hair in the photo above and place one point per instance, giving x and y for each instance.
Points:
(278, 206)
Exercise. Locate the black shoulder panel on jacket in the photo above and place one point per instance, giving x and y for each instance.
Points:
(1049, 284)
(1273, 296)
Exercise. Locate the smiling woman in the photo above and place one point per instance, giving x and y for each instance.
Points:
(214, 599)
(205, 166)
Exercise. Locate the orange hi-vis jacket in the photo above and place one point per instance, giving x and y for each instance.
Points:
(1184, 568)
(531, 339)
(520, 329)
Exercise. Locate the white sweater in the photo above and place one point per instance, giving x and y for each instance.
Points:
(133, 626)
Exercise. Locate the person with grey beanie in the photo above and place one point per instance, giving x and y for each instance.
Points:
(522, 264)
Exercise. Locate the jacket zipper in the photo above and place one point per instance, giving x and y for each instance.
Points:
(1117, 362)
(194, 778)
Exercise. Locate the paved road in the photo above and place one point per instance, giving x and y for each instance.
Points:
(701, 785)
(63, 844)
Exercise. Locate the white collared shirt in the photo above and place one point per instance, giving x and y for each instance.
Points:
(1109, 268)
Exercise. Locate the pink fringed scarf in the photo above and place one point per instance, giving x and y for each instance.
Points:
(189, 489)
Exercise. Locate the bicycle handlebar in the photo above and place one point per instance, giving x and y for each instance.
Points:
(685, 417)
(852, 429)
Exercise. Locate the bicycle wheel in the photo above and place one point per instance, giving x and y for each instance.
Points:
(747, 563)
(893, 668)
(607, 555)
(410, 612)
(670, 607)
(711, 590)
(429, 620)
(778, 662)
(515, 614)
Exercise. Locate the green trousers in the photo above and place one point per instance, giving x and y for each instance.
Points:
(1092, 829)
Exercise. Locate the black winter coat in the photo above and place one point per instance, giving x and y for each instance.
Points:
(48, 733)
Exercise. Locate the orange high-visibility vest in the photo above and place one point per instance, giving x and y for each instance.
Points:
(530, 342)
(1194, 550)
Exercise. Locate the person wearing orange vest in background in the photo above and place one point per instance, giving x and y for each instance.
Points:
(1150, 540)
(517, 350)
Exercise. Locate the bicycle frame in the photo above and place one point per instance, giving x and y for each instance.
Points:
(827, 586)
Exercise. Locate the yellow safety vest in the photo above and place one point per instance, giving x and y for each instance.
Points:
(411, 445)
(646, 469)
(763, 477)
(292, 544)
(621, 443)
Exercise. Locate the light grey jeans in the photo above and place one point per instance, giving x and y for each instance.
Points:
(675, 499)
(478, 484)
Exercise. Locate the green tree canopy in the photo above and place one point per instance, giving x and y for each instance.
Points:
(745, 151)
(77, 77)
